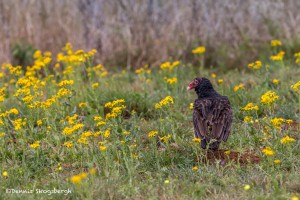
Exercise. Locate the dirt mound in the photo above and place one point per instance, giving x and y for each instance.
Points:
(226, 156)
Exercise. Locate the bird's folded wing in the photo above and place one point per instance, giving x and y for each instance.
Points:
(212, 118)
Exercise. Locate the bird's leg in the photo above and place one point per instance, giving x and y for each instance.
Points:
(203, 143)
(214, 145)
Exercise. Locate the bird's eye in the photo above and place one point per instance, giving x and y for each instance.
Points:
(196, 82)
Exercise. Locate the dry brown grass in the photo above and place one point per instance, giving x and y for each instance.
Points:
(134, 32)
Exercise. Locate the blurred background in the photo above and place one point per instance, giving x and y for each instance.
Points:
(132, 33)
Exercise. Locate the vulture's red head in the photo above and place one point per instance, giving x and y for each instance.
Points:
(201, 85)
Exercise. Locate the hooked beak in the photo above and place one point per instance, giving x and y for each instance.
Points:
(191, 86)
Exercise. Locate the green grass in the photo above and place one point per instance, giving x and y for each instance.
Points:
(135, 166)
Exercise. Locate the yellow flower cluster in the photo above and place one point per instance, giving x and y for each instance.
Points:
(169, 66)
(250, 106)
(19, 123)
(11, 111)
(268, 151)
(239, 87)
(17, 71)
(78, 178)
(84, 137)
(75, 58)
(143, 70)
(199, 50)
(152, 134)
(268, 98)
(278, 57)
(2, 94)
(116, 107)
(100, 70)
(197, 140)
(255, 65)
(35, 145)
(165, 138)
(275, 43)
(287, 139)
(164, 102)
(95, 85)
(68, 144)
(277, 122)
(248, 119)
(66, 82)
(70, 130)
(296, 86)
(297, 55)
(277, 161)
(114, 103)
(170, 81)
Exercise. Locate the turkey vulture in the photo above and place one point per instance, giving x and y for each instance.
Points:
(212, 115)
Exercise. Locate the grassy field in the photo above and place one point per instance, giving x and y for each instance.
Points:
(69, 123)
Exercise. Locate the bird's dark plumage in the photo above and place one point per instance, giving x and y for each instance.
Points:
(212, 115)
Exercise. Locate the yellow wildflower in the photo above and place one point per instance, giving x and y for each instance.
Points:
(239, 87)
(295, 197)
(275, 81)
(220, 81)
(39, 122)
(199, 50)
(164, 102)
(247, 187)
(195, 168)
(277, 122)
(165, 138)
(213, 75)
(277, 161)
(152, 134)
(250, 106)
(5, 173)
(78, 178)
(169, 66)
(102, 148)
(197, 140)
(248, 119)
(82, 104)
(268, 151)
(35, 145)
(97, 118)
(107, 133)
(278, 57)
(191, 106)
(275, 43)
(227, 152)
(269, 97)
(126, 132)
(66, 82)
(101, 123)
(287, 139)
(114, 103)
(296, 86)
(170, 81)
(68, 144)
(95, 85)
(70, 130)
(255, 65)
